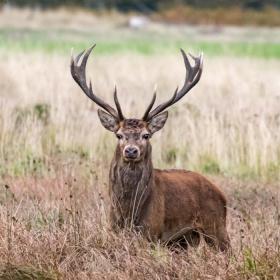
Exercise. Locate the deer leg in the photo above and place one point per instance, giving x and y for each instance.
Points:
(189, 238)
(192, 238)
(217, 237)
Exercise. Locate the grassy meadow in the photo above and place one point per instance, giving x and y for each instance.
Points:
(55, 155)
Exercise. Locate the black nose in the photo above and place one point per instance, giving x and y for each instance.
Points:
(131, 152)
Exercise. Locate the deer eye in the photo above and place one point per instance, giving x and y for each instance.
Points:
(119, 136)
(146, 136)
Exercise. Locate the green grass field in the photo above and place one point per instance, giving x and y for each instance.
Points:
(62, 41)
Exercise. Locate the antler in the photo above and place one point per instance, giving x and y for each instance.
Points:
(79, 75)
(193, 75)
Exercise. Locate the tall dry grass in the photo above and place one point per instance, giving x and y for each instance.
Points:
(229, 124)
(55, 228)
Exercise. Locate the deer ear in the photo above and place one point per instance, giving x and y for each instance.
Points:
(108, 121)
(157, 122)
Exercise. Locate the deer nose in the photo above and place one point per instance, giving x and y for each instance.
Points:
(131, 152)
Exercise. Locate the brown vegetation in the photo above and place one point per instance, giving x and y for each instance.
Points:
(58, 226)
(220, 16)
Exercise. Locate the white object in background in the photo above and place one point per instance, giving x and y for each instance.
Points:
(137, 22)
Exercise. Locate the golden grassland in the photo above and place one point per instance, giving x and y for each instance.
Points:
(55, 155)
(229, 124)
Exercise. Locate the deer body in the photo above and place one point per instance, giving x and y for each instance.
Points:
(166, 205)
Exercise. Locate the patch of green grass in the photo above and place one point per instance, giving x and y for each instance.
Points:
(12, 272)
(247, 49)
(171, 154)
(39, 112)
(209, 164)
(269, 172)
(28, 164)
(122, 41)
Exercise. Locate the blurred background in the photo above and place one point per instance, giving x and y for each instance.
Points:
(237, 12)
(227, 125)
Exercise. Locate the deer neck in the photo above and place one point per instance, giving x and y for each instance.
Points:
(130, 186)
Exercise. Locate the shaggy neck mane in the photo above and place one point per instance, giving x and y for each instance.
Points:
(130, 186)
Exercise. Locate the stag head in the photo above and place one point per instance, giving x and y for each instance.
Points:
(133, 134)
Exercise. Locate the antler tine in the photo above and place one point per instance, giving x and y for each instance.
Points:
(146, 114)
(118, 106)
(193, 75)
(79, 75)
(162, 106)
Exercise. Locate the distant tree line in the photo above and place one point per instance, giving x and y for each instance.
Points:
(144, 5)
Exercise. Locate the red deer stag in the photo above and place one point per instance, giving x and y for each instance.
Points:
(167, 205)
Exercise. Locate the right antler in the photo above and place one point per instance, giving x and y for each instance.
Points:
(79, 75)
(193, 75)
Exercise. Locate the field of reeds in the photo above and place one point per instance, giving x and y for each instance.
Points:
(55, 155)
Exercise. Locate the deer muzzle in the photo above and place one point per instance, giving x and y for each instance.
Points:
(131, 152)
